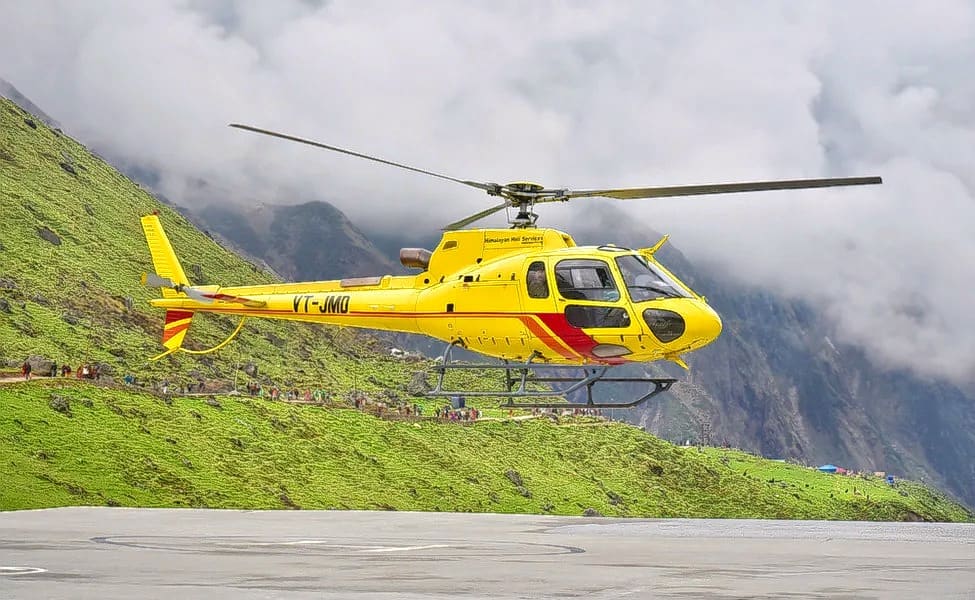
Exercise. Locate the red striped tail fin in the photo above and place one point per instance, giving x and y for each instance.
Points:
(174, 330)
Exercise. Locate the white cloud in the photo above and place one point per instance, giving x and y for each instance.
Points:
(569, 94)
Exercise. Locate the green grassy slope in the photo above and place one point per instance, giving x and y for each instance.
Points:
(133, 449)
(80, 300)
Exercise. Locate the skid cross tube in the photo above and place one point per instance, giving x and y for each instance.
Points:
(518, 375)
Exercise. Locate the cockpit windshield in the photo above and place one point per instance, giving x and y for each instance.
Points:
(644, 281)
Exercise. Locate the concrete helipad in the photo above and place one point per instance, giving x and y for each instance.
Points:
(142, 553)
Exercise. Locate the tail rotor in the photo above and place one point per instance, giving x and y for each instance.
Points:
(153, 280)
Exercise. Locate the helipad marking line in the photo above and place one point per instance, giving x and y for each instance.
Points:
(356, 548)
(21, 570)
(304, 543)
(405, 548)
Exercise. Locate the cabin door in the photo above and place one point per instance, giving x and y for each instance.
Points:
(538, 306)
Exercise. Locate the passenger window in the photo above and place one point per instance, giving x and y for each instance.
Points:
(586, 279)
(537, 281)
(596, 316)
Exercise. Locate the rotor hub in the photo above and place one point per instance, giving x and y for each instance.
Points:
(521, 191)
(525, 186)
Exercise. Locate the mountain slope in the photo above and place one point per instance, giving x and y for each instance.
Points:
(7, 90)
(71, 255)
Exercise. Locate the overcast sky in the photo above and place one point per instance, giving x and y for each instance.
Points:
(570, 94)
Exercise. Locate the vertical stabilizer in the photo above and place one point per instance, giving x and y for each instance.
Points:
(163, 257)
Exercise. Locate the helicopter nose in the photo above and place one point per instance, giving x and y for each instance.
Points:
(692, 323)
(705, 327)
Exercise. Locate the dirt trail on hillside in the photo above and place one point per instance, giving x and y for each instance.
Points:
(19, 378)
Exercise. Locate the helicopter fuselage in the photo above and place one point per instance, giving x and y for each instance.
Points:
(513, 294)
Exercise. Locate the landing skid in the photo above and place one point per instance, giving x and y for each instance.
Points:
(517, 377)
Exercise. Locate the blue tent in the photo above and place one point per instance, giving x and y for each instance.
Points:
(828, 468)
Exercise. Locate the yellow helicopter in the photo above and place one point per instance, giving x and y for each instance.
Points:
(527, 296)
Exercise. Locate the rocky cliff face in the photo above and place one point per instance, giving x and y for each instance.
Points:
(310, 241)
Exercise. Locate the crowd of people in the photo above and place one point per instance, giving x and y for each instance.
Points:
(198, 387)
(569, 410)
(84, 371)
(387, 405)
(255, 389)
(382, 407)
(449, 413)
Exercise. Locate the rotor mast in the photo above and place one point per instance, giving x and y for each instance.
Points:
(522, 194)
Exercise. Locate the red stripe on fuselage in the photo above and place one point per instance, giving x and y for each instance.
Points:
(571, 336)
(552, 342)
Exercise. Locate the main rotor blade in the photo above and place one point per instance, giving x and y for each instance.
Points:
(464, 222)
(481, 186)
(716, 188)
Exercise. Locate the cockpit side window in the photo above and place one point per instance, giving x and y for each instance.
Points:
(589, 316)
(537, 280)
(586, 279)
